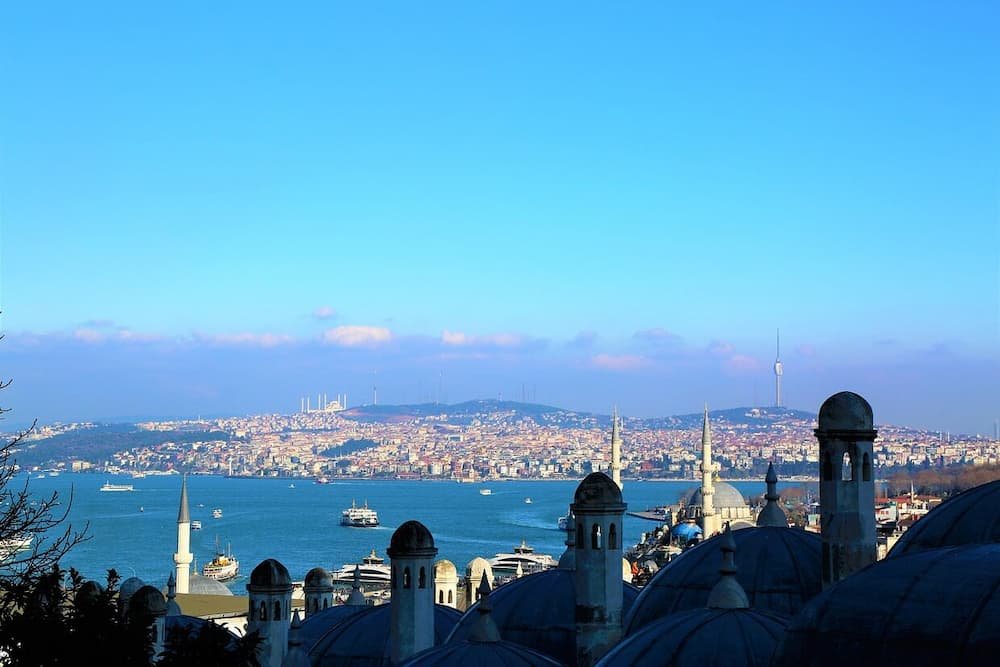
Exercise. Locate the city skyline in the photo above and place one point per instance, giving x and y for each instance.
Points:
(209, 212)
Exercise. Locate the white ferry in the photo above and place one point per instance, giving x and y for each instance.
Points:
(13, 545)
(108, 486)
(359, 517)
(563, 522)
(196, 525)
(372, 571)
(525, 556)
(485, 492)
(223, 567)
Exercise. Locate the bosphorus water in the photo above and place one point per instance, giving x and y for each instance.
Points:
(298, 522)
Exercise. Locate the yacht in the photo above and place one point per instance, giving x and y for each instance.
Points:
(13, 545)
(223, 567)
(108, 486)
(359, 517)
(217, 513)
(527, 501)
(196, 525)
(485, 492)
(523, 556)
(563, 522)
(372, 571)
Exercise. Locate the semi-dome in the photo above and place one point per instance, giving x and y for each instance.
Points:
(845, 411)
(779, 568)
(318, 578)
(201, 585)
(725, 495)
(597, 490)
(362, 638)
(411, 538)
(933, 607)
(270, 573)
(699, 637)
(971, 517)
(537, 611)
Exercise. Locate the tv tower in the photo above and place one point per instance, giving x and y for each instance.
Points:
(777, 372)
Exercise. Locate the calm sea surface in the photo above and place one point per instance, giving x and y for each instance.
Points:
(135, 532)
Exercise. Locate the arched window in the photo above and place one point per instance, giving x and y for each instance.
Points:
(451, 598)
(263, 611)
(579, 535)
(595, 537)
(422, 579)
(847, 469)
(440, 597)
(277, 611)
(612, 537)
(827, 467)
(406, 577)
(866, 468)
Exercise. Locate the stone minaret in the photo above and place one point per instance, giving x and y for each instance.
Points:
(318, 589)
(183, 557)
(847, 488)
(772, 514)
(711, 523)
(411, 553)
(616, 449)
(270, 602)
(598, 512)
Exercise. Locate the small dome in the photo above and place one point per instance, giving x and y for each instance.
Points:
(780, 569)
(700, 637)
(934, 607)
(200, 585)
(686, 531)
(971, 517)
(270, 574)
(507, 654)
(89, 593)
(318, 578)
(474, 570)
(362, 637)
(147, 600)
(537, 611)
(445, 569)
(411, 539)
(846, 411)
(130, 586)
(597, 490)
(724, 495)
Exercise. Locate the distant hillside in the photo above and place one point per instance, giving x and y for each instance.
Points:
(753, 418)
(464, 413)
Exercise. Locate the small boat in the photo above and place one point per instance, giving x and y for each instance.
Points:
(485, 492)
(291, 486)
(108, 486)
(322, 480)
(217, 513)
(563, 522)
(196, 525)
(359, 517)
(527, 501)
(141, 508)
(13, 545)
(223, 567)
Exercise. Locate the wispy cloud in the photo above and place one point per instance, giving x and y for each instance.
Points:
(247, 339)
(657, 336)
(357, 336)
(324, 313)
(618, 362)
(743, 363)
(457, 338)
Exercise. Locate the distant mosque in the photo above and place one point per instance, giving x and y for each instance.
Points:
(768, 594)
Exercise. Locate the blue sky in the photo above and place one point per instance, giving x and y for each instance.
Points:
(219, 209)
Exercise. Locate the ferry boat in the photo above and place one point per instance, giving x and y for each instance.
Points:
(223, 567)
(359, 517)
(196, 525)
(563, 522)
(372, 571)
(485, 492)
(523, 556)
(217, 513)
(527, 501)
(108, 486)
(13, 545)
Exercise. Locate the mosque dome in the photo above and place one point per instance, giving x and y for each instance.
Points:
(411, 538)
(779, 568)
(445, 569)
(845, 411)
(317, 624)
(88, 594)
(699, 637)
(270, 574)
(537, 611)
(147, 600)
(130, 586)
(362, 638)
(933, 607)
(597, 490)
(971, 517)
(318, 578)
(468, 652)
(201, 585)
(725, 495)
(687, 530)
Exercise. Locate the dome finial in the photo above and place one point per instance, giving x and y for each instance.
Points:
(485, 629)
(728, 594)
(772, 514)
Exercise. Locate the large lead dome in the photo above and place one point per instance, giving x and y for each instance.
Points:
(971, 517)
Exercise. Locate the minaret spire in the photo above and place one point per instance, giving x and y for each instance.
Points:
(772, 514)
(710, 524)
(183, 556)
(778, 370)
(616, 448)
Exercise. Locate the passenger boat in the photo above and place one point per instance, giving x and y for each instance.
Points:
(527, 501)
(223, 567)
(108, 486)
(359, 517)
(196, 525)
(563, 522)
(372, 571)
(217, 513)
(523, 556)
(13, 545)
(485, 492)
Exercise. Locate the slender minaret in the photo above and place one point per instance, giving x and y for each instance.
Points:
(710, 524)
(846, 437)
(411, 558)
(183, 557)
(778, 370)
(616, 449)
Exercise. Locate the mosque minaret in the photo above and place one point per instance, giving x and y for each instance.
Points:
(183, 557)
(711, 522)
(616, 449)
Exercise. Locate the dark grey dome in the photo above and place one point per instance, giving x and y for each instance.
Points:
(971, 517)
(148, 600)
(725, 495)
(130, 586)
(845, 411)
(537, 611)
(597, 490)
(362, 638)
(702, 637)
(779, 568)
(317, 624)
(270, 574)
(207, 586)
(934, 607)
(318, 578)
(88, 594)
(481, 654)
(411, 539)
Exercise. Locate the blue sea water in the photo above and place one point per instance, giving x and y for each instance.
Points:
(136, 532)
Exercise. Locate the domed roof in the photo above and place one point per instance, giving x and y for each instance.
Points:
(779, 568)
(597, 490)
(934, 607)
(318, 577)
(318, 623)
(700, 637)
(845, 411)
(412, 538)
(474, 570)
(147, 600)
(687, 530)
(488, 654)
(445, 569)
(537, 611)
(725, 495)
(362, 638)
(206, 586)
(270, 574)
(129, 586)
(971, 517)
(89, 593)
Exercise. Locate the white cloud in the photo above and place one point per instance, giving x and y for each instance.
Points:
(457, 338)
(619, 362)
(324, 313)
(356, 336)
